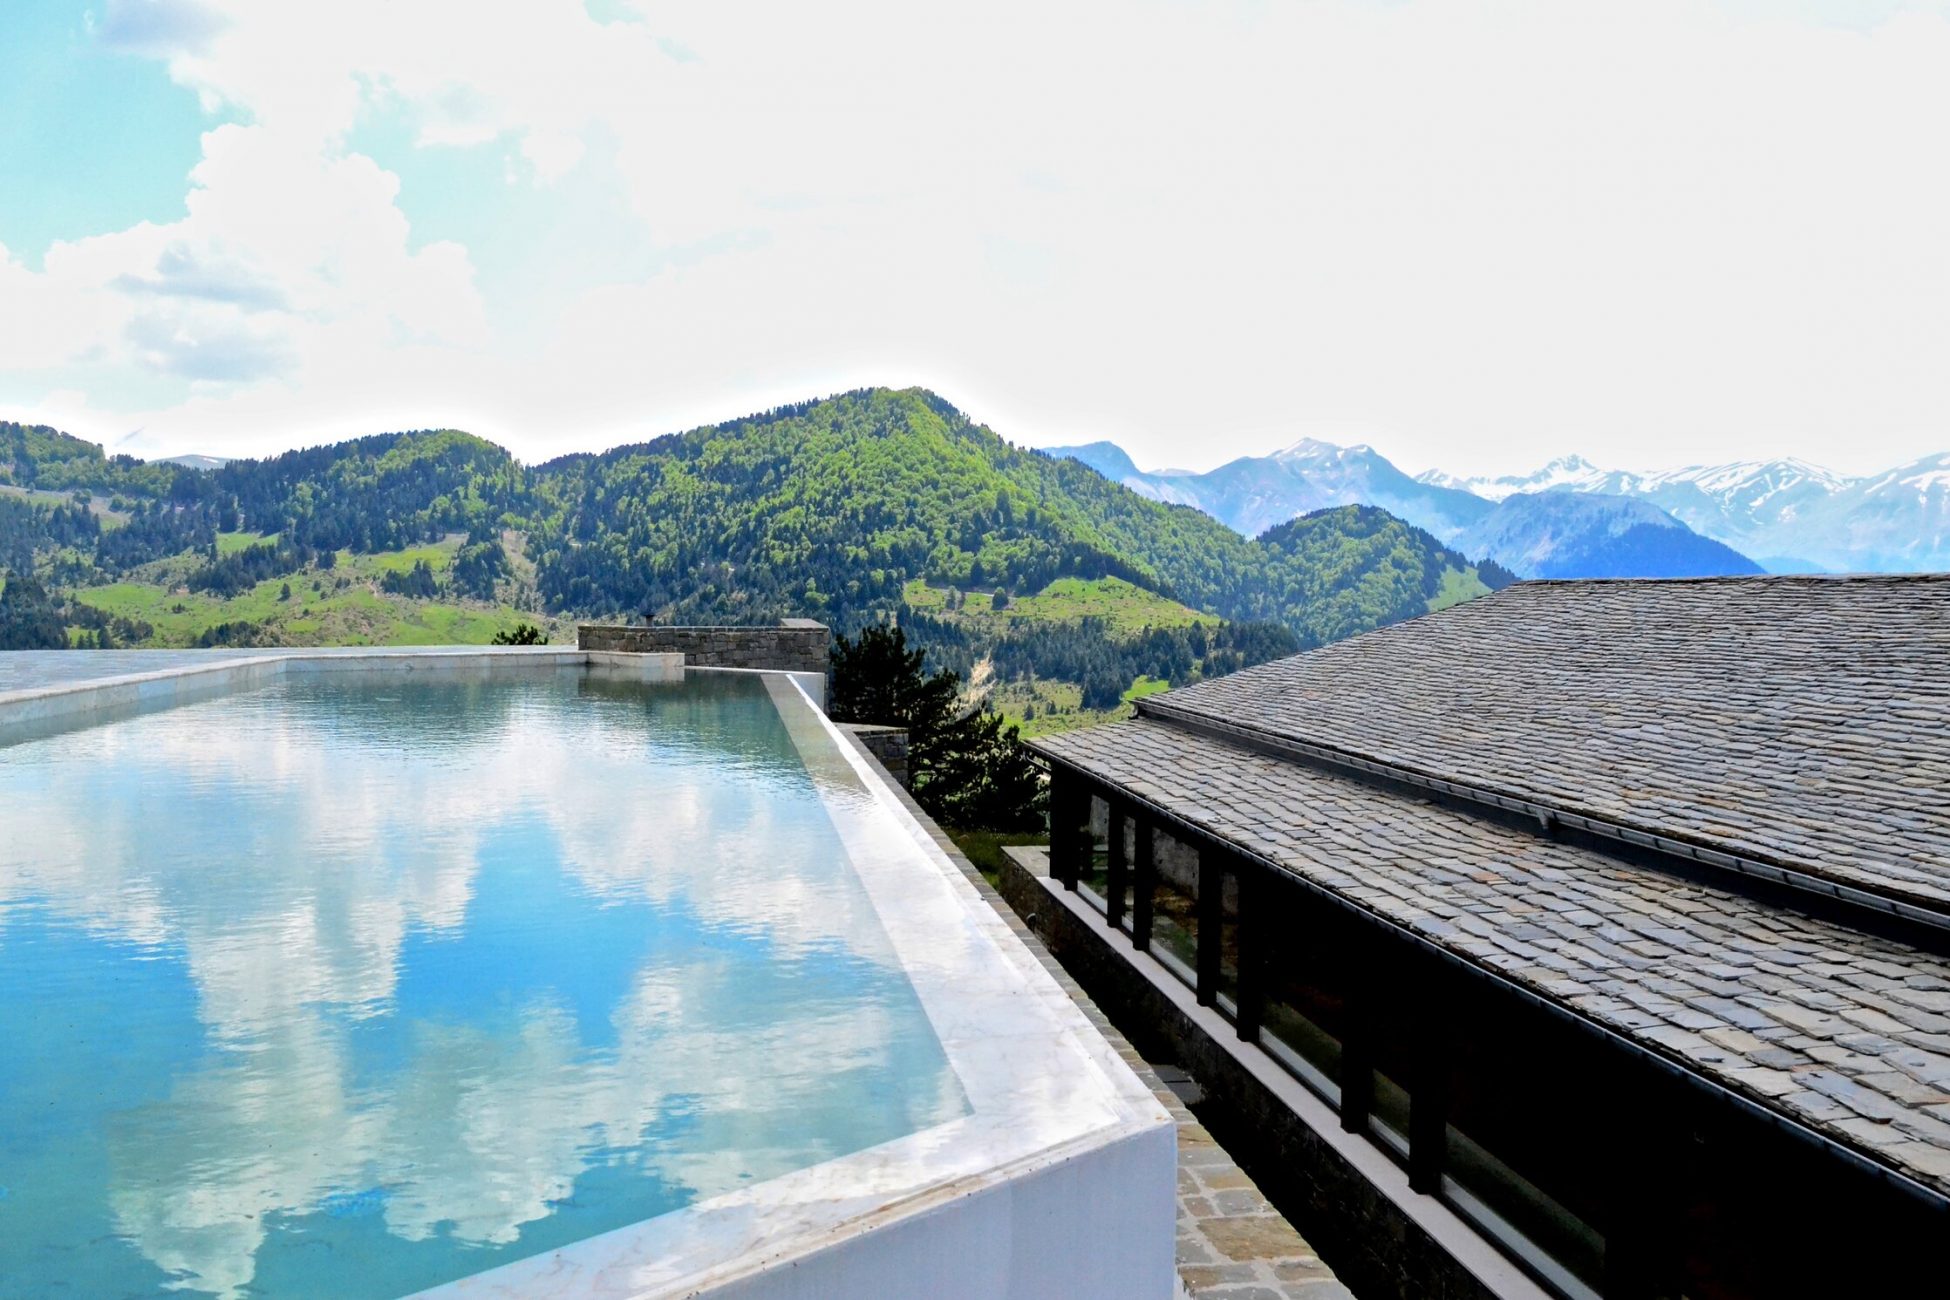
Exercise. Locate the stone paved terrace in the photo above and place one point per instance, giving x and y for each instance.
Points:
(1791, 722)
(1232, 1243)
(1848, 1033)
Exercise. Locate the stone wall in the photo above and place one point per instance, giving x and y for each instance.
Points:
(797, 645)
(887, 744)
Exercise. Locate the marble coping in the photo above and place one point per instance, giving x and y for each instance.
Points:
(82, 701)
(1059, 1181)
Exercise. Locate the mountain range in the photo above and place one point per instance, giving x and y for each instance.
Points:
(1784, 516)
(1255, 493)
(1789, 515)
(1534, 535)
(1012, 566)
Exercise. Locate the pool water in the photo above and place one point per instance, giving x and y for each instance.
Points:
(358, 983)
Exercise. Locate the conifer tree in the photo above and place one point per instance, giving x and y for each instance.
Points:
(28, 618)
(965, 766)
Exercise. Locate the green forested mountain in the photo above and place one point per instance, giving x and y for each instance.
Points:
(832, 507)
(872, 505)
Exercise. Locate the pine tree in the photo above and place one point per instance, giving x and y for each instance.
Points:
(965, 766)
(28, 619)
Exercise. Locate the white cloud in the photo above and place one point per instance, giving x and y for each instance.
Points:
(1473, 234)
(283, 258)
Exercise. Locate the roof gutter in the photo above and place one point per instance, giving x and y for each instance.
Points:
(1927, 925)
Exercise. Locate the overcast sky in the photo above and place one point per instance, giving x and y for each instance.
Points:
(1474, 234)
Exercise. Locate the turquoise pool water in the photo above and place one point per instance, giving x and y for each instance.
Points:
(356, 984)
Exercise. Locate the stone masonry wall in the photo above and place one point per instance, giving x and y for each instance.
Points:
(888, 744)
(797, 645)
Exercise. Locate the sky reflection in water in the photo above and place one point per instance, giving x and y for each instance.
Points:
(350, 986)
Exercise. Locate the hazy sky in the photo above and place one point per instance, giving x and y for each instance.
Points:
(1476, 234)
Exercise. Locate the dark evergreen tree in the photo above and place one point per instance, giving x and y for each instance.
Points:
(477, 567)
(28, 619)
(417, 581)
(524, 634)
(964, 766)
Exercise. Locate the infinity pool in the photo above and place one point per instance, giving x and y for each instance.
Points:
(355, 984)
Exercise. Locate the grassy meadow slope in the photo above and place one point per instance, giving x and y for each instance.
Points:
(343, 605)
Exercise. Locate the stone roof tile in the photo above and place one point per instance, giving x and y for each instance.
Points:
(1799, 722)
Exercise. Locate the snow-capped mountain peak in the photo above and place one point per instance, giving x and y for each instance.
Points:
(1741, 478)
(1922, 477)
(1315, 451)
(1572, 471)
(1788, 515)
(1442, 478)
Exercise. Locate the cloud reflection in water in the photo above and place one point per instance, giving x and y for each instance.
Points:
(418, 976)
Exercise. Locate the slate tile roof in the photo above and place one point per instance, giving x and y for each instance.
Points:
(1798, 722)
(1846, 1032)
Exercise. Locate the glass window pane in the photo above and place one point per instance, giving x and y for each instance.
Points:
(1094, 875)
(1124, 920)
(1388, 1115)
(1227, 994)
(1556, 1244)
(1306, 992)
(1507, 1165)
(1174, 904)
(1308, 1053)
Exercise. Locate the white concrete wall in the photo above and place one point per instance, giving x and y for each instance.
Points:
(1100, 1226)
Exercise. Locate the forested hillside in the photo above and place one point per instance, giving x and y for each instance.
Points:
(873, 505)
(829, 508)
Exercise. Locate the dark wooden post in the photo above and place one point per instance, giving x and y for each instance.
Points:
(1069, 806)
(1255, 890)
(1357, 1043)
(1144, 880)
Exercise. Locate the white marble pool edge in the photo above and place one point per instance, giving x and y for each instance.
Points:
(1060, 1182)
(86, 702)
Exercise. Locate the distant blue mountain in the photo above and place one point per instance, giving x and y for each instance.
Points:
(1567, 534)
(1559, 533)
(1791, 516)
(1255, 493)
(1107, 458)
